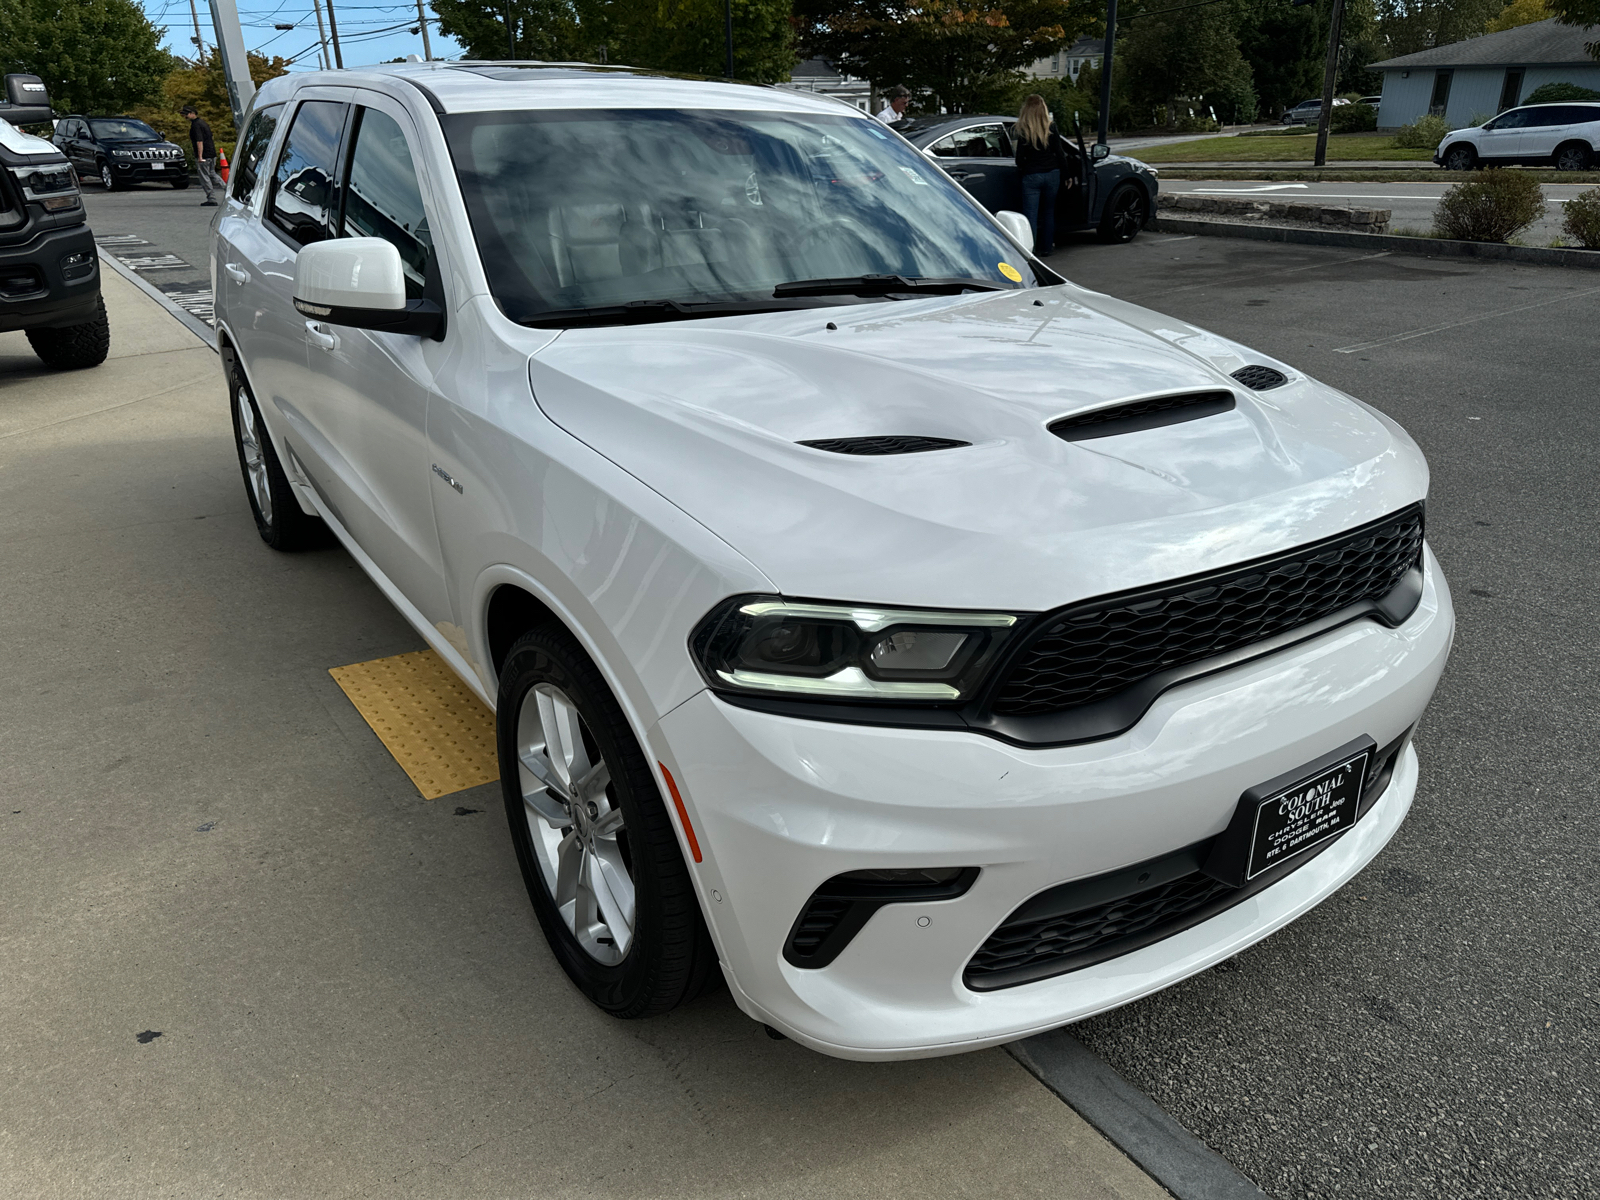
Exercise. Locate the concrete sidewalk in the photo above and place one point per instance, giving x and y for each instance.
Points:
(243, 957)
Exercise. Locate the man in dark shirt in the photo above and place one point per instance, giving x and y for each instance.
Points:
(205, 154)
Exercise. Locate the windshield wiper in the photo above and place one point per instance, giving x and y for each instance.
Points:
(886, 285)
(643, 312)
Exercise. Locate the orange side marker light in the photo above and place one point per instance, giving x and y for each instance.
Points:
(683, 813)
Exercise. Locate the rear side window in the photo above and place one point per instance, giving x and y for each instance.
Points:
(248, 166)
(1579, 114)
(382, 198)
(1543, 116)
(303, 184)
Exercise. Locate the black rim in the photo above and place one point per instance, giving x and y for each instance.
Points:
(1126, 215)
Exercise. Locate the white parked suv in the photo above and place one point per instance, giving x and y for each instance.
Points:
(1565, 135)
(939, 650)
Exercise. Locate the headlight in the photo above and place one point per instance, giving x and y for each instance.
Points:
(122, 153)
(771, 646)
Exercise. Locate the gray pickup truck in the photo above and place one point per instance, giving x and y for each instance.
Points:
(49, 267)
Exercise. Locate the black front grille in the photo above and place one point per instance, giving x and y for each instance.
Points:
(20, 280)
(1259, 378)
(1076, 925)
(886, 444)
(1099, 648)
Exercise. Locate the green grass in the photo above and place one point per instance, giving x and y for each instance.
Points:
(1427, 174)
(1345, 147)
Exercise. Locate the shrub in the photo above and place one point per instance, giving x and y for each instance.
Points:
(1353, 118)
(1195, 125)
(1582, 222)
(1490, 207)
(1553, 92)
(1425, 133)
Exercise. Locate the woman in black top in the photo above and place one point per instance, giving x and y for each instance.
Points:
(1041, 162)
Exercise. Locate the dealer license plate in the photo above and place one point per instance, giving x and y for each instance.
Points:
(158, 166)
(1307, 813)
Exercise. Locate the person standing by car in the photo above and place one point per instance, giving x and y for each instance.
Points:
(896, 99)
(1042, 165)
(205, 154)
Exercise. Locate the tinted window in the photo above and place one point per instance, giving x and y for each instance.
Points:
(302, 186)
(1517, 118)
(597, 207)
(247, 164)
(1578, 114)
(1542, 116)
(122, 128)
(382, 198)
(984, 141)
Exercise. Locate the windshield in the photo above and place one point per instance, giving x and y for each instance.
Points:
(597, 208)
(114, 128)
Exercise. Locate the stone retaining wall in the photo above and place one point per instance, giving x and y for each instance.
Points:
(1361, 220)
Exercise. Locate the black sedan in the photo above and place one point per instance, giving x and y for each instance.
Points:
(120, 152)
(1115, 196)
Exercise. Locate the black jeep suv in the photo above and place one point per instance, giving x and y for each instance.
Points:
(120, 152)
(49, 269)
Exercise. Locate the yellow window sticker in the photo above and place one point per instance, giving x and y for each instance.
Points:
(1011, 272)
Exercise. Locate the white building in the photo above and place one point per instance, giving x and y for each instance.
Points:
(1068, 63)
(1485, 75)
(820, 76)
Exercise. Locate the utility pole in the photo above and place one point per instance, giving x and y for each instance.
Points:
(199, 46)
(422, 20)
(235, 63)
(1105, 70)
(1328, 75)
(727, 29)
(511, 37)
(333, 28)
(322, 34)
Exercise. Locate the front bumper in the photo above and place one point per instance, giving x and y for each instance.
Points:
(781, 804)
(37, 292)
(149, 172)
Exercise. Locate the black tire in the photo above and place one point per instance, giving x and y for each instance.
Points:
(74, 347)
(108, 179)
(1125, 213)
(180, 183)
(280, 520)
(670, 957)
(1573, 156)
(1460, 157)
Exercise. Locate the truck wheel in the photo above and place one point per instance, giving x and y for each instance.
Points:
(1125, 214)
(73, 347)
(109, 180)
(280, 520)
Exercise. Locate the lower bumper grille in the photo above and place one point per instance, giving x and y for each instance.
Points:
(1089, 921)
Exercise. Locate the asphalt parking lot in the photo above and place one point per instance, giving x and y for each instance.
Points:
(1430, 1030)
(206, 843)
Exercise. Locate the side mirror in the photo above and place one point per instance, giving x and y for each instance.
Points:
(1099, 150)
(359, 282)
(1017, 229)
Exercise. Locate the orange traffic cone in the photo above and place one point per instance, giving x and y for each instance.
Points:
(222, 164)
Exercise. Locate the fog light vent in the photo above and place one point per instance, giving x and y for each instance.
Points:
(840, 907)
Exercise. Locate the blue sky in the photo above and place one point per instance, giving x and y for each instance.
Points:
(366, 29)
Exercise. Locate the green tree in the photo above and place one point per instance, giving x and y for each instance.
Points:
(95, 56)
(202, 84)
(1183, 58)
(551, 30)
(1519, 12)
(1285, 48)
(1581, 13)
(964, 56)
(1407, 26)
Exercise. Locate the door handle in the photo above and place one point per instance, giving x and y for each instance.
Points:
(236, 273)
(966, 175)
(318, 336)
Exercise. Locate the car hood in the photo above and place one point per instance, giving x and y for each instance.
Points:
(709, 414)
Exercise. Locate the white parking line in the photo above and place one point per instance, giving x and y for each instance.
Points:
(1416, 333)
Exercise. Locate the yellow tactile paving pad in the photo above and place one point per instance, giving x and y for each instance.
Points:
(438, 731)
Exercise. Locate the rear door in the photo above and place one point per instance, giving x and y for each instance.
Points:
(979, 157)
(1546, 128)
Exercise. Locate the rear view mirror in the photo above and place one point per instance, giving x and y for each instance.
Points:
(1099, 150)
(359, 282)
(1017, 229)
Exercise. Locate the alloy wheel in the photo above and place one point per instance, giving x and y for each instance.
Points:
(1459, 159)
(1572, 158)
(106, 178)
(255, 458)
(577, 832)
(1127, 215)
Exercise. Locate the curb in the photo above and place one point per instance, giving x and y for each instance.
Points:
(193, 323)
(1130, 1120)
(1543, 256)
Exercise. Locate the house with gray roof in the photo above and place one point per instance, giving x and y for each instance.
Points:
(1485, 75)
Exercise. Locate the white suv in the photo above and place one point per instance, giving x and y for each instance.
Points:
(1566, 135)
(939, 651)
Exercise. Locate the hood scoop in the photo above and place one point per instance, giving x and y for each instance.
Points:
(1142, 414)
(1260, 379)
(893, 443)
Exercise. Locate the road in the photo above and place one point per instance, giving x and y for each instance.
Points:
(1431, 1030)
(163, 234)
(1411, 203)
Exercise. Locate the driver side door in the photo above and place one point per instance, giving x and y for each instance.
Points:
(1501, 139)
